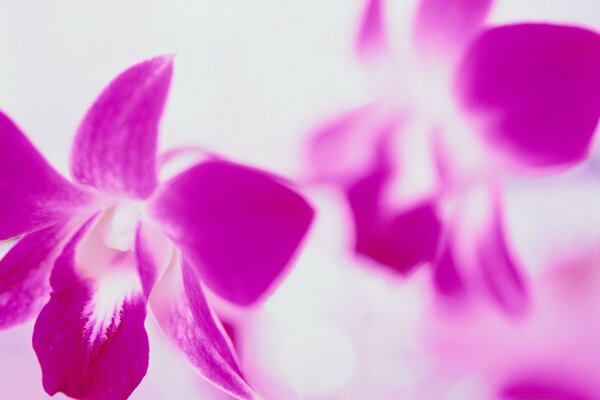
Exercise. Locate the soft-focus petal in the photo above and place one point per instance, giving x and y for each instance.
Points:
(179, 305)
(486, 262)
(534, 91)
(499, 268)
(115, 146)
(341, 149)
(32, 194)
(372, 34)
(446, 277)
(239, 226)
(400, 241)
(25, 272)
(526, 389)
(442, 25)
(90, 338)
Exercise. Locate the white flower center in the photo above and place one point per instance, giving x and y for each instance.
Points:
(119, 231)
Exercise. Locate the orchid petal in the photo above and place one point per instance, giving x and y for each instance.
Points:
(90, 338)
(486, 262)
(442, 25)
(372, 35)
(33, 195)
(535, 89)
(179, 305)
(24, 274)
(540, 389)
(239, 226)
(446, 276)
(153, 253)
(342, 148)
(115, 146)
(401, 240)
(499, 268)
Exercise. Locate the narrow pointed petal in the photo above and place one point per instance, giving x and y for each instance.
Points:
(153, 253)
(238, 226)
(446, 277)
(487, 263)
(372, 39)
(443, 26)
(179, 305)
(499, 268)
(399, 241)
(89, 338)
(33, 195)
(115, 146)
(534, 91)
(25, 272)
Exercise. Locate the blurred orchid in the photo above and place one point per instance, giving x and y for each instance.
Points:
(540, 357)
(459, 106)
(119, 239)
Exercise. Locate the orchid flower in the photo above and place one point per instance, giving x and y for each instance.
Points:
(119, 240)
(463, 105)
(552, 354)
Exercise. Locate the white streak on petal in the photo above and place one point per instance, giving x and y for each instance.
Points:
(111, 291)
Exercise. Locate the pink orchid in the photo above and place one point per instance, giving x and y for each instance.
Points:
(421, 167)
(118, 240)
(552, 354)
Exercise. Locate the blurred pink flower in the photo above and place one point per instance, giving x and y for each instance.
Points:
(463, 106)
(118, 240)
(552, 354)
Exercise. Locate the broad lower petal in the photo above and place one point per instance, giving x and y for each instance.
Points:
(90, 338)
(115, 146)
(442, 26)
(25, 273)
(179, 305)
(533, 91)
(33, 195)
(404, 241)
(399, 241)
(238, 226)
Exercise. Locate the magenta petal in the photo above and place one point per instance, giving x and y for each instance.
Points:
(115, 146)
(399, 240)
(404, 241)
(24, 274)
(342, 147)
(153, 253)
(541, 389)
(442, 25)
(179, 305)
(535, 89)
(32, 194)
(237, 225)
(90, 338)
(500, 272)
(372, 35)
(446, 277)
